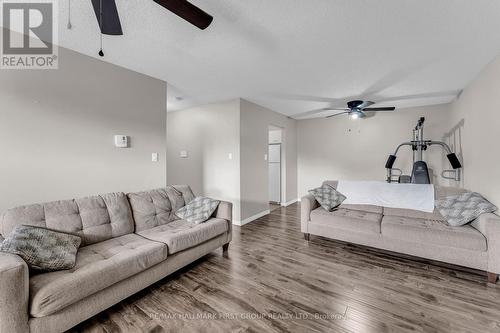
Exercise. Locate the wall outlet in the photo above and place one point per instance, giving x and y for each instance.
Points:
(183, 154)
(154, 157)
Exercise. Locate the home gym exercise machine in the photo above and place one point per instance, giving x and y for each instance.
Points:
(420, 172)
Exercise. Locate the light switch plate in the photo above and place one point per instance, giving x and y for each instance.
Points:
(121, 141)
(183, 154)
(154, 157)
(230, 156)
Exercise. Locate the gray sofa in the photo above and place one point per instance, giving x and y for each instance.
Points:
(426, 235)
(128, 242)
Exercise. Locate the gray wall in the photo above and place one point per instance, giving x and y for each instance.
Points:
(209, 134)
(57, 127)
(340, 148)
(254, 122)
(473, 130)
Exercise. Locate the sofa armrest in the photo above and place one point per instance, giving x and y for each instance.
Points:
(489, 226)
(14, 294)
(225, 211)
(307, 204)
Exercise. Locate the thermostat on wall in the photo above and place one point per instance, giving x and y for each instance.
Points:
(121, 141)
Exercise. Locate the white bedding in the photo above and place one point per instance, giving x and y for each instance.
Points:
(394, 195)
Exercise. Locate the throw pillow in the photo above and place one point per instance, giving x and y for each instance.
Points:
(42, 249)
(198, 210)
(461, 209)
(328, 197)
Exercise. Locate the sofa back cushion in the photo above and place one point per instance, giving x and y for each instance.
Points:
(94, 219)
(157, 207)
(442, 192)
(332, 183)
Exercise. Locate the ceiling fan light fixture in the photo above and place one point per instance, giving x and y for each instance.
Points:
(357, 115)
(355, 109)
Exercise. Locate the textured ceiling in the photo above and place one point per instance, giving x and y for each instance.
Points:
(294, 55)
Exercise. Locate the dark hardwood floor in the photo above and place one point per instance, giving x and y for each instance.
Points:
(272, 280)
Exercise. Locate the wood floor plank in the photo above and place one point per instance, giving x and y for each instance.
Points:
(272, 280)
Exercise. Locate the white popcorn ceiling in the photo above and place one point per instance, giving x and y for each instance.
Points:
(296, 55)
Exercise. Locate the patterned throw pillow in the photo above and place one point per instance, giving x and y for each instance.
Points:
(42, 249)
(328, 197)
(461, 209)
(198, 210)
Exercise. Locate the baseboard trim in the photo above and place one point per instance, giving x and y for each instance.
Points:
(286, 204)
(252, 218)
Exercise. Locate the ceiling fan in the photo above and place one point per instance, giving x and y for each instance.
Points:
(356, 109)
(109, 21)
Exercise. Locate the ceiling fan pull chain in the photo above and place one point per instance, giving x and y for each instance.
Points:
(69, 26)
(101, 53)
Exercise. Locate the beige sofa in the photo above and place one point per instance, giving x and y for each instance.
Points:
(416, 233)
(128, 243)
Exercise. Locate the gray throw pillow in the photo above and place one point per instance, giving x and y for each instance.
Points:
(328, 197)
(198, 210)
(42, 249)
(461, 209)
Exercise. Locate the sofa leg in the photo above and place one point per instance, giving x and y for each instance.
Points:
(492, 277)
(225, 247)
(307, 237)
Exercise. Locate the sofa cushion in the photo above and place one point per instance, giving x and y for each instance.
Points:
(363, 208)
(97, 266)
(181, 234)
(332, 183)
(328, 197)
(198, 210)
(464, 208)
(151, 209)
(94, 219)
(42, 249)
(415, 214)
(355, 220)
(433, 232)
(187, 193)
(157, 207)
(442, 192)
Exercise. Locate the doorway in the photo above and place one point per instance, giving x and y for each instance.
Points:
(275, 137)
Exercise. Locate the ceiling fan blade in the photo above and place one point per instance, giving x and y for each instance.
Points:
(337, 114)
(110, 24)
(313, 112)
(365, 104)
(390, 108)
(188, 12)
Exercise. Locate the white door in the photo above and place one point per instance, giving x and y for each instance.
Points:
(274, 159)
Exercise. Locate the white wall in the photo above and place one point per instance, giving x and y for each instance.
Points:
(474, 131)
(255, 121)
(57, 127)
(209, 134)
(341, 148)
